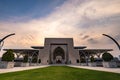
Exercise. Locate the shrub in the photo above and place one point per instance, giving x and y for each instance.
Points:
(8, 56)
(107, 57)
(92, 59)
(25, 60)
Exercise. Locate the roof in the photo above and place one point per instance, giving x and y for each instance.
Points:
(37, 47)
(58, 38)
(94, 51)
(23, 50)
(79, 47)
(41, 47)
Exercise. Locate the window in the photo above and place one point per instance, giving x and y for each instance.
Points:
(77, 61)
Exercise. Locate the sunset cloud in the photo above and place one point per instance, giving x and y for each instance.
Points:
(84, 20)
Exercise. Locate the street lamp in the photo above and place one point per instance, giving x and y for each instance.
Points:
(1, 45)
(2, 40)
(112, 40)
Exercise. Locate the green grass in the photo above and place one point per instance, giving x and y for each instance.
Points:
(59, 73)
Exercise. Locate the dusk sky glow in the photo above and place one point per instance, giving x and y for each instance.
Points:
(83, 20)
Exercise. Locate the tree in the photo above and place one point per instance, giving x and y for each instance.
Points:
(8, 56)
(107, 56)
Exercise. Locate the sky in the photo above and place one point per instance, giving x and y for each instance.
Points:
(83, 20)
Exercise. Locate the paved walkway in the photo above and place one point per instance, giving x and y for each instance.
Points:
(114, 70)
(21, 68)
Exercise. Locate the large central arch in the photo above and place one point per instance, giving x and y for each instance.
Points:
(58, 55)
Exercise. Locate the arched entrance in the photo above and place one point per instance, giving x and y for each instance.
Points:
(58, 55)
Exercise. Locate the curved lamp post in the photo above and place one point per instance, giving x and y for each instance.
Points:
(113, 40)
(1, 45)
(2, 40)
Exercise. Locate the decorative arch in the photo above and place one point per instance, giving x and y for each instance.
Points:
(58, 52)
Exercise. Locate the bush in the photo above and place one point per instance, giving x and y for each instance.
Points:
(92, 59)
(8, 56)
(107, 57)
(25, 60)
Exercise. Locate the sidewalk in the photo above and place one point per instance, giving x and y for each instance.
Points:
(114, 70)
(21, 68)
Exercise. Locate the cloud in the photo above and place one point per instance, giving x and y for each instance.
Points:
(117, 37)
(109, 20)
(85, 37)
(92, 41)
(84, 20)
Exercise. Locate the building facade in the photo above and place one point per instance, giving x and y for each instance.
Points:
(59, 51)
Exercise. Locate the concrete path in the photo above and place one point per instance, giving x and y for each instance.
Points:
(114, 70)
(21, 68)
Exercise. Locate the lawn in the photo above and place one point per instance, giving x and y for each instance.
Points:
(59, 73)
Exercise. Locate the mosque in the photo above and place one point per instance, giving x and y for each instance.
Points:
(59, 51)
